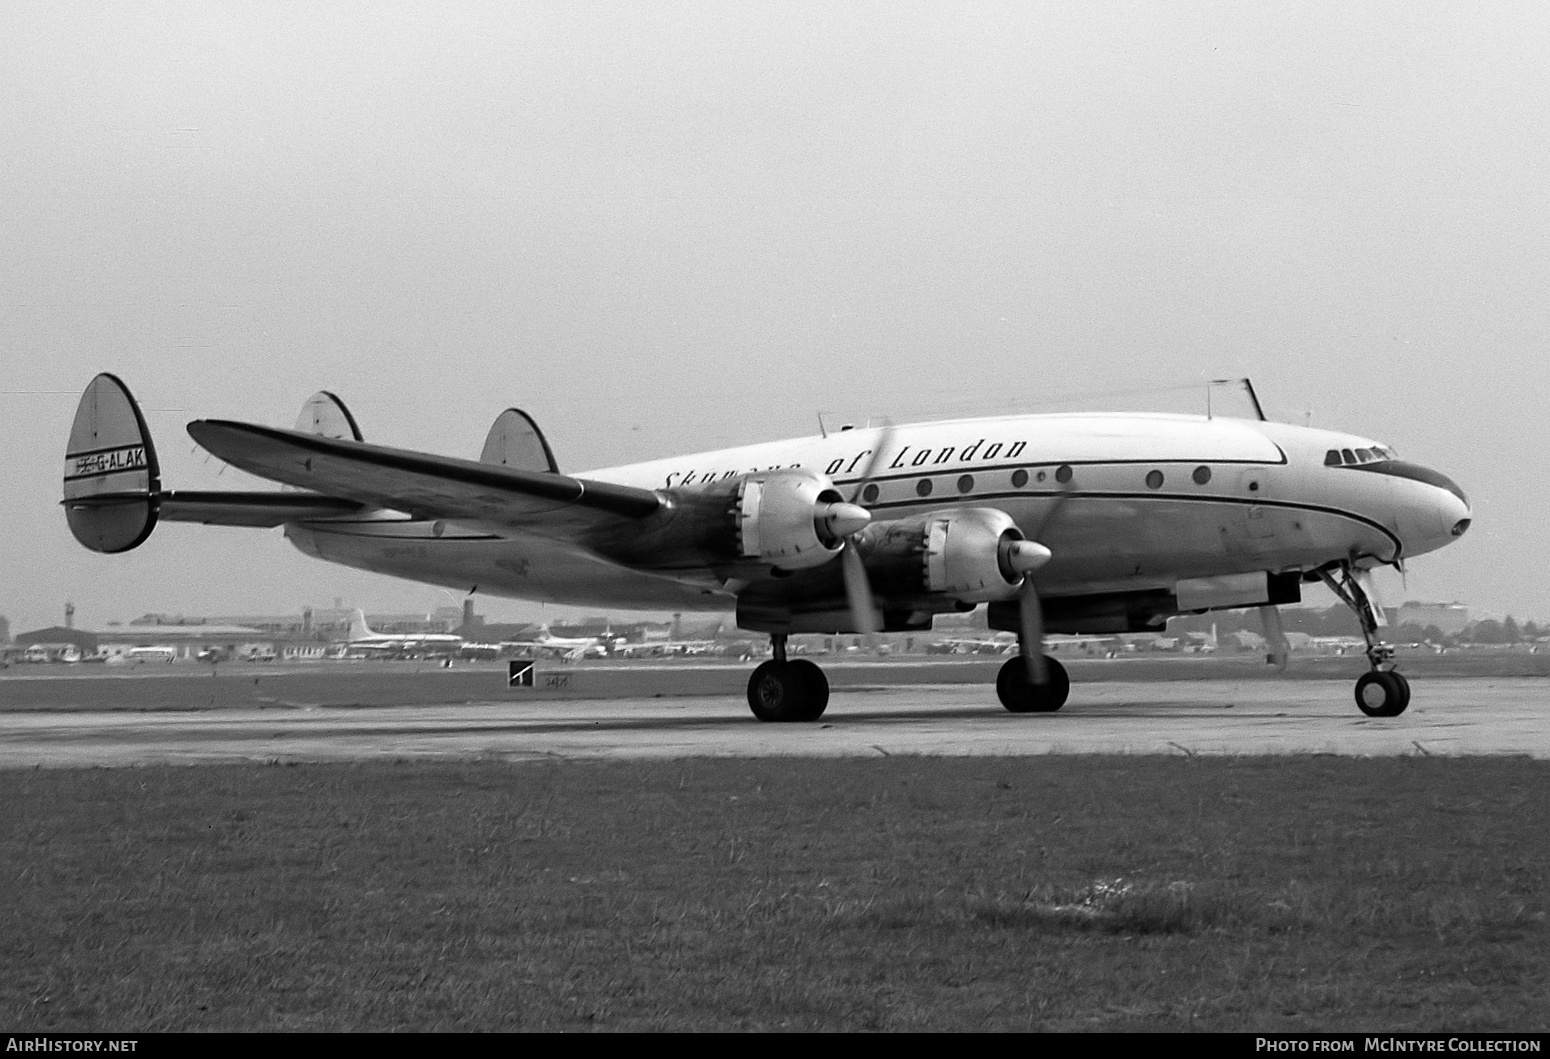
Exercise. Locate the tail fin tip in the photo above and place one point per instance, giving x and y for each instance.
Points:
(327, 416)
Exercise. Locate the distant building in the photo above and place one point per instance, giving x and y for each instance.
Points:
(5, 631)
(1448, 618)
(187, 641)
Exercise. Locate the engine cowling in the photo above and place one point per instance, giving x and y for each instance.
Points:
(971, 554)
(793, 521)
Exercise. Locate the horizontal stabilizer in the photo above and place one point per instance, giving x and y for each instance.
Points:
(112, 479)
(516, 442)
(257, 510)
(423, 485)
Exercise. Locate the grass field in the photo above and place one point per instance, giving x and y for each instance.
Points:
(953, 894)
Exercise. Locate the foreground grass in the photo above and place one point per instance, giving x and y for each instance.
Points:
(1050, 892)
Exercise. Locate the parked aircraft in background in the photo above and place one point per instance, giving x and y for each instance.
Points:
(573, 648)
(998, 644)
(363, 639)
(1092, 523)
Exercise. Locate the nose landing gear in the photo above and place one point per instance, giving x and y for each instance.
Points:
(1381, 692)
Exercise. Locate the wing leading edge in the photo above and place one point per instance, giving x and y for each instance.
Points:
(421, 484)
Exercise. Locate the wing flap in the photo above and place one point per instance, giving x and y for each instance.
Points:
(421, 484)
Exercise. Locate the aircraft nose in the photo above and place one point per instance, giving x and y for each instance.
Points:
(1456, 515)
(1447, 515)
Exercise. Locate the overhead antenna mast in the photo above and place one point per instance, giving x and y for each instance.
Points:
(1248, 388)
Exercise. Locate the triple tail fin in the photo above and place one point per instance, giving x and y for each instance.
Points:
(516, 442)
(113, 496)
(325, 415)
(112, 478)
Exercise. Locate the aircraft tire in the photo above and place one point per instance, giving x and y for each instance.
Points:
(787, 691)
(1382, 694)
(1020, 695)
(817, 688)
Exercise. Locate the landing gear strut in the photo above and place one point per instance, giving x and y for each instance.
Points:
(782, 690)
(1381, 692)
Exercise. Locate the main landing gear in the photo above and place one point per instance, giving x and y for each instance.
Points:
(1382, 691)
(795, 689)
(1021, 695)
(782, 690)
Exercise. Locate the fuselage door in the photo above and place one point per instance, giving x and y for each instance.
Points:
(1255, 527)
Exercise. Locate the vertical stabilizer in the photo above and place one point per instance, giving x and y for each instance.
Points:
(359, 630)
(112, 480)
(516, 442)
(326, 415)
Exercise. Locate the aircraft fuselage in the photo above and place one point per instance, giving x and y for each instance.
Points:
(1125, 503)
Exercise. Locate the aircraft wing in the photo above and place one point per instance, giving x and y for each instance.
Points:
(421, 484)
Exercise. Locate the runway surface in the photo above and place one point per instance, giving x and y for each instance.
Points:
(1449, 716)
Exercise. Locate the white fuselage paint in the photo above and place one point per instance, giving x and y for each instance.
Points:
(1137, 517)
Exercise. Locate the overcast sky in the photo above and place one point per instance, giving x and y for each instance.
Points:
(666, 227)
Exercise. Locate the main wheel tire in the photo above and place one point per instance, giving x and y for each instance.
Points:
(1382, 694)
(1020, 695)
(817, 688)
(787, 691)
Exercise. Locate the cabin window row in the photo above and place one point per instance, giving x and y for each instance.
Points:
(1020, 478)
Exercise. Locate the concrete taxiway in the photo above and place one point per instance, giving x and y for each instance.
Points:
(1449, 716)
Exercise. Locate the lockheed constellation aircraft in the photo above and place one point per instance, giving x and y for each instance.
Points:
(1091, 523)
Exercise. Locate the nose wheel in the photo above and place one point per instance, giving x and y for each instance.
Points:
(1381, 692)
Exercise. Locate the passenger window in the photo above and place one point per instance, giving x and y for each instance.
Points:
(923, 488)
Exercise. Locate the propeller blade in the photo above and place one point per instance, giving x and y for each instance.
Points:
(1278, 650)
(884, 440)
(1030, 633)
(1061, 497)
(858, 591)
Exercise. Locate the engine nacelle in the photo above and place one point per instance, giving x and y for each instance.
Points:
(793, 521)
(966, 553)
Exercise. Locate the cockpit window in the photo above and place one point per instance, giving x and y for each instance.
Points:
(1337, 457)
